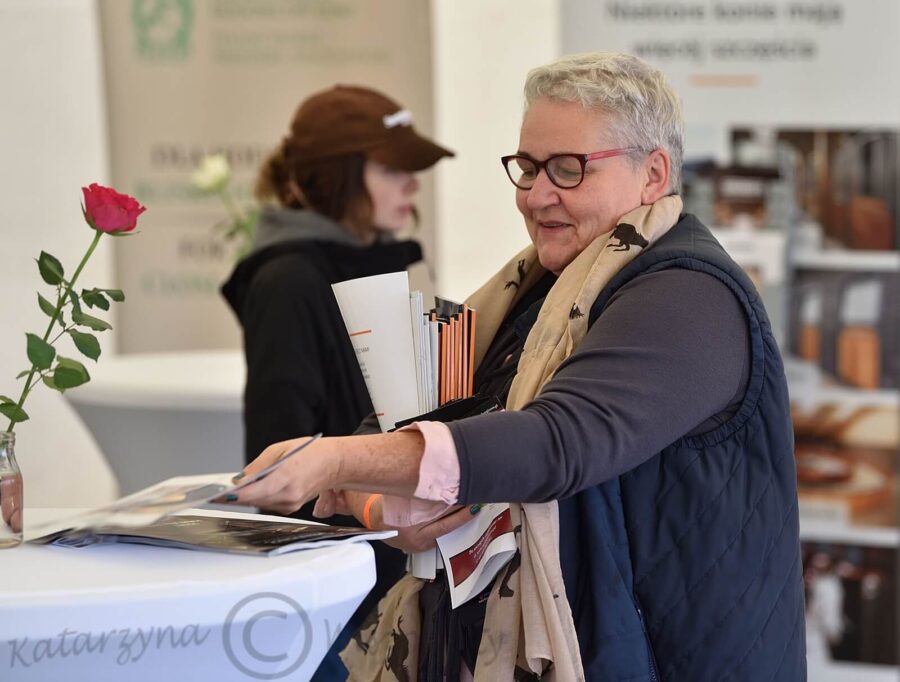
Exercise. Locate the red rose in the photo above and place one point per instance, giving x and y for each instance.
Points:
(108, 211)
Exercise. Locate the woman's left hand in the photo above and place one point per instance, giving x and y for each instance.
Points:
(424, 536)
(416, 538)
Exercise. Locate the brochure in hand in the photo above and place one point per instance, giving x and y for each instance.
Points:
(474, 553)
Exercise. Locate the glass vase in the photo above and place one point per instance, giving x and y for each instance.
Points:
(11, 503)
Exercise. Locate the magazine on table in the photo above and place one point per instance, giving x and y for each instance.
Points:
(154, 516)
(217, 531)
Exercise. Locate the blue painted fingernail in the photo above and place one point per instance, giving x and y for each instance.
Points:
(475, 508)
(231, 498)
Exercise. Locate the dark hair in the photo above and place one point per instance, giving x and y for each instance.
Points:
(333, 187)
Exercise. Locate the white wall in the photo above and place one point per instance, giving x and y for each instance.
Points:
(53, 141)
(52, 131)
(482, 51)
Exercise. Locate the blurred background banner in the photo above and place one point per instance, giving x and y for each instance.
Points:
(187, 78)
(778, 62)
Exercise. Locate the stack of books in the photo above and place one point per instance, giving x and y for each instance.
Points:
(444, 350)
(413, 360)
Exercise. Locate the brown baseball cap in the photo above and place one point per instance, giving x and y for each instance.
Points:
(347, 118)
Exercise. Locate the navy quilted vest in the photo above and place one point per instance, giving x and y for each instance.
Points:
(688, 567)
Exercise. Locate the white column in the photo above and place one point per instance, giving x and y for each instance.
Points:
(482, 51)
(54, 142)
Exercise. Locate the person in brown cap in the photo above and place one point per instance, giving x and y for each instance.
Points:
(334, 192)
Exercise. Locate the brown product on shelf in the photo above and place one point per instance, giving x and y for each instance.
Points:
(859, 356)
(871, 224)
(810, 343)
(836, 220)
(869, 427)
(875, 427)
(818, 425)
(864, 324)
(847, 462)
(843, 479)
(816, 467)
(807, 324)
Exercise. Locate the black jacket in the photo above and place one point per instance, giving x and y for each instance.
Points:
(302, 373)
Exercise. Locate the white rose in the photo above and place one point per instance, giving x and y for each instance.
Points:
(213, 174)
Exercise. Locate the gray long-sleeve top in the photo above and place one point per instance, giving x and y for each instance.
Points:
(668, 357)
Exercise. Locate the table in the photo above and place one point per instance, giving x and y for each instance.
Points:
(159, 415)
(117, 612)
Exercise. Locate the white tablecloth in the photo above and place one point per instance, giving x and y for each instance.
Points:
(129, 612)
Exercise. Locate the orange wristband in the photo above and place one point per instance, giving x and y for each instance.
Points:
(368, 508)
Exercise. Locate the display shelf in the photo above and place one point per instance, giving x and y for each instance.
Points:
(830, 671)
(845, 259)
(810, 386)
(815, 530)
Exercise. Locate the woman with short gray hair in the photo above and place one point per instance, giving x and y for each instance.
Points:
(646, 444)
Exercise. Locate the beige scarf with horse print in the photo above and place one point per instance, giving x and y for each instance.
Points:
(528, 632)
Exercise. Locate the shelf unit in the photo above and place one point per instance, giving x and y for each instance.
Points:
(779, 260)
(845, 259)
(811, 387)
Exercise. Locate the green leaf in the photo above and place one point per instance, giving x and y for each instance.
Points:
(6, 399)
(48, 381)
(10, 411)
(93, 298)
(86, 343)
(76, 306)
(90, 321)
(115, 294)
(51, 269)
(45, 305)
(70, 373)
(24, 373)
(40, 353)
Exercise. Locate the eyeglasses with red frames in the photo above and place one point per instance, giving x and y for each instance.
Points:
(566, 171)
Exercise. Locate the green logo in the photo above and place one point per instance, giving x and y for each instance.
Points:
(162, 28)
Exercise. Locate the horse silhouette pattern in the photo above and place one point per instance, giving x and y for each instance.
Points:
(511, 569)
(628, 236)
(521, 274)
(370, 623)
(399, 653)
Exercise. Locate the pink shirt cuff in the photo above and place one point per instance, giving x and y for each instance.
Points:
(438, 487)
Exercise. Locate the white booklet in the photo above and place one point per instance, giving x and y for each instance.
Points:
(473, 554)
(376, 312)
